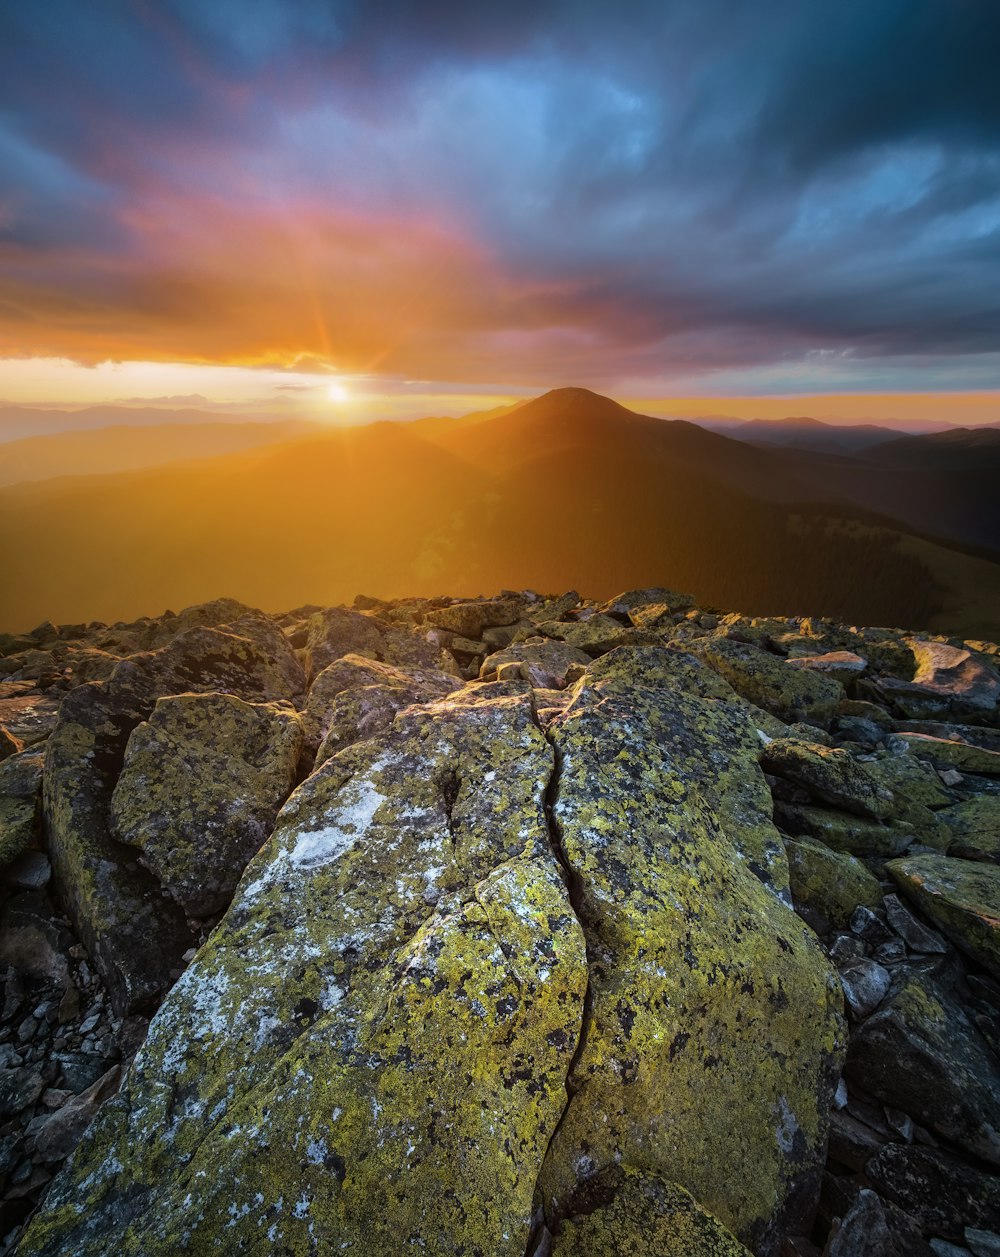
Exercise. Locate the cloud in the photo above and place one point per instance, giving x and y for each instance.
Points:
(464, 192)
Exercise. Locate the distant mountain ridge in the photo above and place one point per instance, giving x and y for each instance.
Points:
(567, 488)
(121, 447)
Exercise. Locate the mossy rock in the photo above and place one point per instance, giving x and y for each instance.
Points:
(831, 774)
(469, 619)
(20, 803)
(715, 1037)
(595, 635)
(909, 779)
(946, 753)
(829, 884)
(335, 632)
(975, 822)
(202, 782)
(214, 614)
(840, 665)
(636, 602)
(790, 694)
(372, 1049)
(631, 1214)
(840, 831)
(960, 896)
(134, 933)
(545, 664)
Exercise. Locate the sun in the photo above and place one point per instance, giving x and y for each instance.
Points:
(336, 392)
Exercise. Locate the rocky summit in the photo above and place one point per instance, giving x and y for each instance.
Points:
(525, 926)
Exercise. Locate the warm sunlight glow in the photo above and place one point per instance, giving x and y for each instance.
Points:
(337, 392)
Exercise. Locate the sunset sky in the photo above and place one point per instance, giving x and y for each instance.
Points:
(435, 206)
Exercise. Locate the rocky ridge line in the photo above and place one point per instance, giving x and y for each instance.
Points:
(578, 985)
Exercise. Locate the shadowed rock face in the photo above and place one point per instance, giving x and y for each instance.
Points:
(519, 966)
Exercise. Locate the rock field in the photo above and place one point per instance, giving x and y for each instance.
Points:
(512, 927)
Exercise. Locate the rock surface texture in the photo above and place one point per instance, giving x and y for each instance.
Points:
(525, 926)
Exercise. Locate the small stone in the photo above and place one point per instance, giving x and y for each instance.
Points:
(9, 1059)
(69, 1005)
(90, 1023)
(31, 871)
(840, 1095)
(951, 777)
(26, 1030)
(844, 948)
(865, 924)
(910, 930)
(944, 1248)
(866, 985)
(19, 1088)
(189, 955)
(901, 1123)
(983, 1243)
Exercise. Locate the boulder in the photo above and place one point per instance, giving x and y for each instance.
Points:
(202, 781)
(961, 897)
(595, 635)
(920, 1053)
(635, 602)
(828, 885)
(974, 823)
(469, 619)
(841, 831)
(134, 933)
(949, 680)
(792, 694)
(704, 986)
(61, 1132)
(840, 665)
(549, 665)
(29, 717)
(375, 1041)
(831, 775)
(355, 697)
(909, 779)
(9, 745)
(335, 632)
(946, 753)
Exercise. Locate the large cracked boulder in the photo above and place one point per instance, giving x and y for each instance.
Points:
(459, 986)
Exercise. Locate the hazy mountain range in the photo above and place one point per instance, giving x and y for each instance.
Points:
(567, 489)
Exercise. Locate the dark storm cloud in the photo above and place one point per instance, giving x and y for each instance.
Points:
(724, 181)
